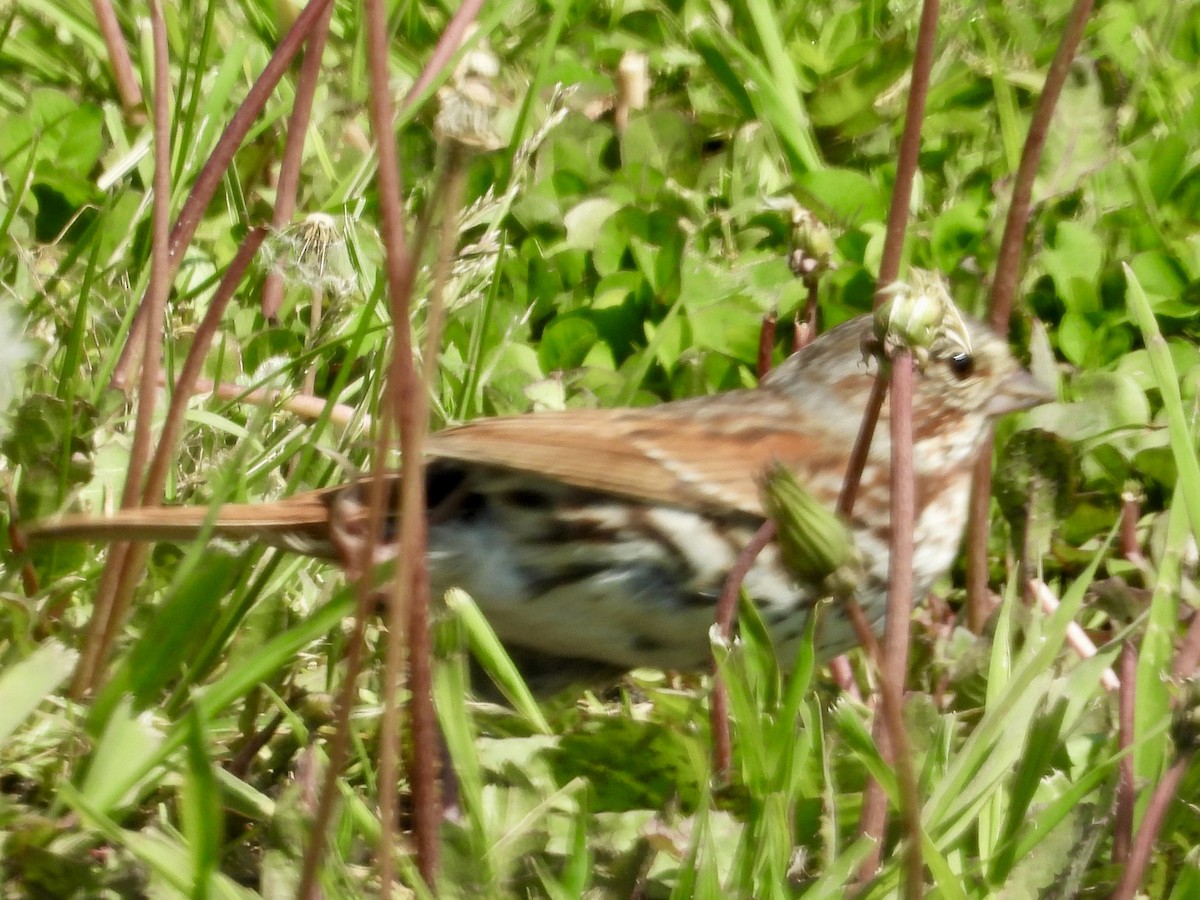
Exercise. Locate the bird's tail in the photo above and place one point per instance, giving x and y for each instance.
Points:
(283, 522)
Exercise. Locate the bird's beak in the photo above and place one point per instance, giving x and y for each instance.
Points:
(1019, 390)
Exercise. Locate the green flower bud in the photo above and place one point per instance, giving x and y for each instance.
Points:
(812, 245)
(814, 542)
(919, 315)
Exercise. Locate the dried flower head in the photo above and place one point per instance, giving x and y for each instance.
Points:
(468, 104)
(313, 253)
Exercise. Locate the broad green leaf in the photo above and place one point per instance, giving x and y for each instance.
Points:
(25, 684)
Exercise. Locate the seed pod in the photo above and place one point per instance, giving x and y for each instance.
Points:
(815, 544)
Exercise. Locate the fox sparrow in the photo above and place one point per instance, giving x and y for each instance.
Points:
(598, 540)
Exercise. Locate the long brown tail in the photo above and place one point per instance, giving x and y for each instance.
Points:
(293, 523)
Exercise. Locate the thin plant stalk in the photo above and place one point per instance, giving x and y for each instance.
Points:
(134, 563)
(398, 406)
(894, 662)
(726, 607)
(1156, 811)
(133, 556)
(293, 152)
(193, 365)
(1187, 657)
(1004, 288)
(448, 45)
(1126, 782)
(108, 609)
(410, 588)
(125, 81)
(209, 178)
(336, 749)
(407, 396)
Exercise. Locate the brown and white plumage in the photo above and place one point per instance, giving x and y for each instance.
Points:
(604, 535)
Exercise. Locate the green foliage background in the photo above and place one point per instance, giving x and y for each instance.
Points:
(595, 266)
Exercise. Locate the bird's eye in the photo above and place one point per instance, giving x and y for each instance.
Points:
(962, 365)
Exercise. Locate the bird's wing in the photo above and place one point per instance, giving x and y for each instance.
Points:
(704, 454)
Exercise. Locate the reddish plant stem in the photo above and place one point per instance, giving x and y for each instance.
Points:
(843, 676)
(766, 342)
(1188, 655)
(397, 407)
(340, 739)
(239, 126)
(447, 45)
(862, 446)
(1004, 287)
(256, 742)
(118, 56)
(412, 582)
(193, 365)
(1168, 787)
(718, 718)
(890, 733)
(1126, 788)
(1012, 244)
(134, 562)
(209, 178)
(1131, 511)
(893, 668)
(366, 601)
(293, 150)
(726, 608)
(804, 328)
(405, 620)
(862, 629)
(978, 522)
(122, 568)
(160, 264)
(899, 616)
(411, 575)
(1156, 812)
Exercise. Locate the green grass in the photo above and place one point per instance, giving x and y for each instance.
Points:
(597, 267)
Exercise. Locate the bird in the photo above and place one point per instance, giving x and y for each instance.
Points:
(597, 541)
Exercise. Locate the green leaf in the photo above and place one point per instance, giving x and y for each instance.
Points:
(584, 221)
(845, 196)
(662, 141)
(956, 234)
(566, 341)
(129, 741)
(1074, 263)
(200, 808)
(1168, 384)
(495, 659)
(25, 684)
(1166, 162)
(1159, 276)
(1075, 337)
(180, 626)
(731, 327)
